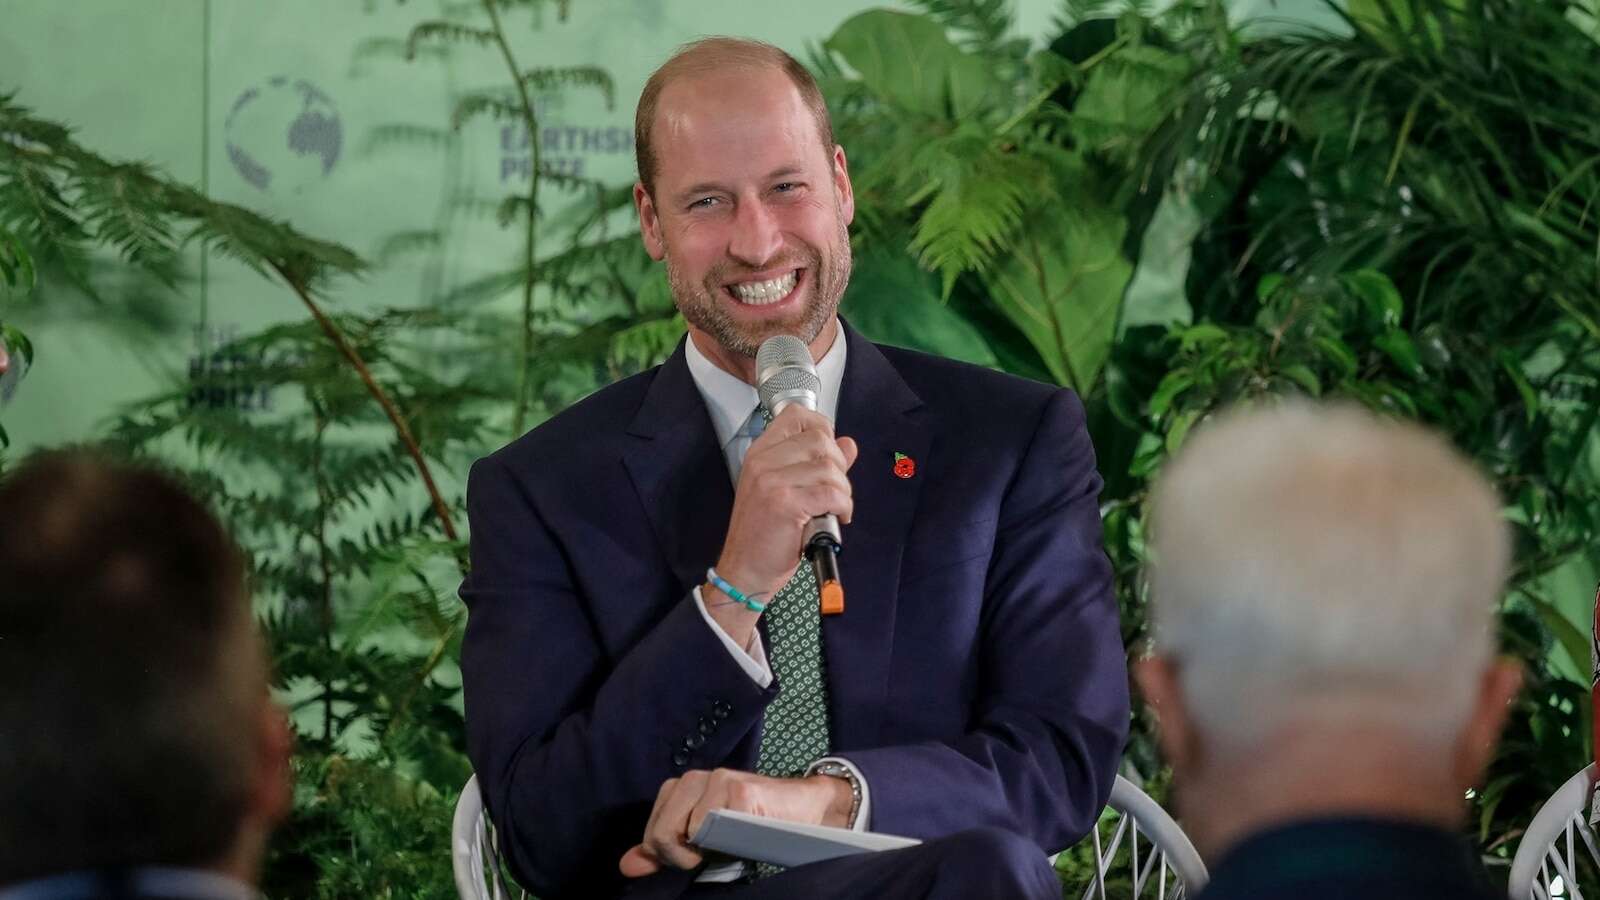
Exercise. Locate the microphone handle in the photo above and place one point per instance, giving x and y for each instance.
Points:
(825, 525)
(823, 552)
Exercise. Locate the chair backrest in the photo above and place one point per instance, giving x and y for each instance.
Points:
(1166, 866)
(1558, 856)
(474, 855)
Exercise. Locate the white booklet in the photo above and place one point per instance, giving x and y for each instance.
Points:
(769, 840)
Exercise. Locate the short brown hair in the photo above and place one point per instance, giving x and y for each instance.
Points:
(710, 55)
(131, 674)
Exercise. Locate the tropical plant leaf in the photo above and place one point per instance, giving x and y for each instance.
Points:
(892, 301)
(1158, 291)
(1124, 96)
(907, 60)
(1062, 285)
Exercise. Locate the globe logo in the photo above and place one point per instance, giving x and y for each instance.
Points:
(283, 135)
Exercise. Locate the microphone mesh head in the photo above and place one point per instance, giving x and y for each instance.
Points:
(783, 351)
(784, 368)
(785, 384)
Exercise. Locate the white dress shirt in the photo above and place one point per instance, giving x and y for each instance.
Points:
(730, 401)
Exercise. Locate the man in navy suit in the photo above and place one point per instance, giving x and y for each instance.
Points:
(643, 645)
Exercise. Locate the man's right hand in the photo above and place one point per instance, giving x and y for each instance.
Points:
(794, 472)
(683, 803)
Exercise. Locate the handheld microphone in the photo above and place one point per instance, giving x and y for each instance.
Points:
(785, 375)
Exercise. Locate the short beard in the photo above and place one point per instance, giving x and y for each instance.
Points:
(703, 308)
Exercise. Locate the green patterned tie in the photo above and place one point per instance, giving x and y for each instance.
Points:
(794, 732)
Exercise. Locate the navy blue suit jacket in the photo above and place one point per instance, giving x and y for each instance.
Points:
(977, 676)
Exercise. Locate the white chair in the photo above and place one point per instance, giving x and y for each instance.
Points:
(1558, 853)
(1169, 866)
(474, 854)
(1169, 860)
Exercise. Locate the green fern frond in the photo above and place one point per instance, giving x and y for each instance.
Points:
(406, 243)
(500, 105)
(33, 204)
(16, 264)
(569, 182)
(646, 344)
(23, 129)
(966, 224)
(45, 176)
(482, 289)
(382, 137)
(378, 48)
(511, 209)
(114, 210)
(563, 7)
(980, 194)
(981, 25)
(556, 78)
(441, 32)
(597, 256)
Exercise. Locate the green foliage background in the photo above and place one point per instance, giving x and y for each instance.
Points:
(1167, 211)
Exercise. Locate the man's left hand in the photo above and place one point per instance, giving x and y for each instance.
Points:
(682, 805)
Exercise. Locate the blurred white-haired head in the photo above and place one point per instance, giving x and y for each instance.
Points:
(1320, 565)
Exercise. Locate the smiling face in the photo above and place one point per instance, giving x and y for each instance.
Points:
(749, 210)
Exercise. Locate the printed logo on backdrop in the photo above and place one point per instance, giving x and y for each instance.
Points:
(564, 148)
(221, 378)
(283, 135)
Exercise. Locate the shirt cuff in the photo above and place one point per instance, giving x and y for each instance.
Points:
(718, 873)
(753, 661)
(864, 814)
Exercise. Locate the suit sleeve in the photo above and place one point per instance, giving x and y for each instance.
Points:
(571, 744)
(1052, 713)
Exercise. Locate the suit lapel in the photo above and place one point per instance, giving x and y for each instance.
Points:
(679, 472)
(880, 411)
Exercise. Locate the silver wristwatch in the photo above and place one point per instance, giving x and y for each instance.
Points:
(840, 770)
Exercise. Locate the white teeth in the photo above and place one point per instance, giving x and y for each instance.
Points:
(760, 293)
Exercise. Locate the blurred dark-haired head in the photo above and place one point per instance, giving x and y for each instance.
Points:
(135, 725)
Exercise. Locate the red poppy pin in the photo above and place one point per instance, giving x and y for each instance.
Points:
(904, 466)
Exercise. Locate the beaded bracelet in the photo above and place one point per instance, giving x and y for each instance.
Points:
(748, 601)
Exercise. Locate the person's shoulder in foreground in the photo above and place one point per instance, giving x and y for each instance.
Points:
(1322, 597)
(1351, 858)
(150, 761)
